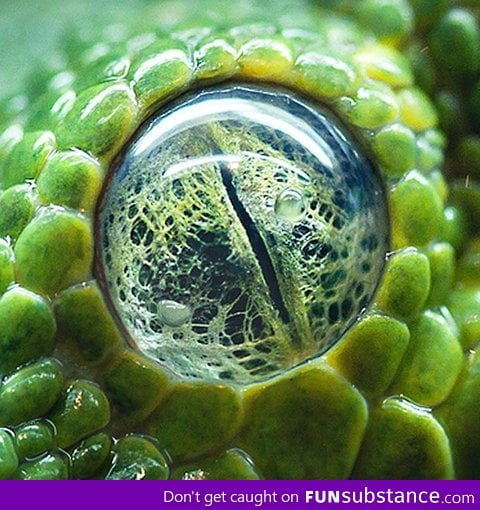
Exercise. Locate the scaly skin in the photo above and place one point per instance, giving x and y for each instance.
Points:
(396, 397)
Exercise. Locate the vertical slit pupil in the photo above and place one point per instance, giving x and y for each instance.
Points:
(257, 244)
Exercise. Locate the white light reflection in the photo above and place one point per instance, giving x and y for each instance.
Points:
(213, 110)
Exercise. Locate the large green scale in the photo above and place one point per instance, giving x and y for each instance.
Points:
(182, 301)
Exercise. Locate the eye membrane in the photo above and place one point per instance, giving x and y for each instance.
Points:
(243, 232)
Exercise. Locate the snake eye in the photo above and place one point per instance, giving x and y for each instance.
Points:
(241, 233)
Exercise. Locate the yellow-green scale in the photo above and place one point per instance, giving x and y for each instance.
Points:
(333, 65)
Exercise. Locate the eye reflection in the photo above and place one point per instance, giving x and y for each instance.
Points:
(290, 205)
(241, 234)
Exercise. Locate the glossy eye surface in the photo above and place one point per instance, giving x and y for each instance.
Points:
(242, 233)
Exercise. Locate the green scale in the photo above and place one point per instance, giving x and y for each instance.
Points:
(242, 242)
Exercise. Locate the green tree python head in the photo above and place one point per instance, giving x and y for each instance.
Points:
(216, 232)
